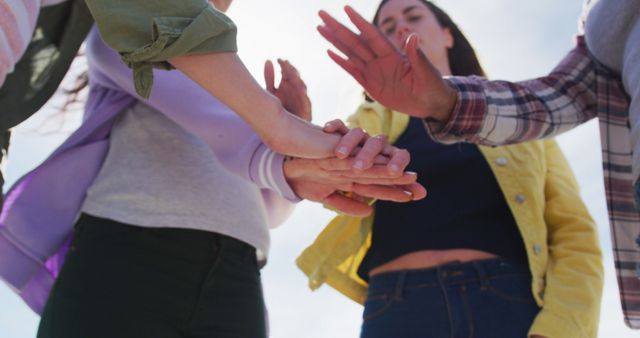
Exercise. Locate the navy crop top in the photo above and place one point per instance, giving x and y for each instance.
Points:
(464, 209)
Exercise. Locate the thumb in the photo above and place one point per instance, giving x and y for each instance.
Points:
(423, 69)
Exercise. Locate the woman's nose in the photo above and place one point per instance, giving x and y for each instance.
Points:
(402, 32)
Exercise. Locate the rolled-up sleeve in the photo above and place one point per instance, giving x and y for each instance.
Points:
(500, 112)
(149, 33)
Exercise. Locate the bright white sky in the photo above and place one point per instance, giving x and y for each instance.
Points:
(514, 39)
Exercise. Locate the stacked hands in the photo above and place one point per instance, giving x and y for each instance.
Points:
(364, 167)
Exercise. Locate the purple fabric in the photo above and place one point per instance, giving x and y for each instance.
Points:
(40, 209)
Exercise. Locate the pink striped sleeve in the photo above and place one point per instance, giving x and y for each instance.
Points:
(17, 21)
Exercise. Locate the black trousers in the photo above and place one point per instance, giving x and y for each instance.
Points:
(123, 281)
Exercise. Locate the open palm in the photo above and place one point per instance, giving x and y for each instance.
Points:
(405, 82)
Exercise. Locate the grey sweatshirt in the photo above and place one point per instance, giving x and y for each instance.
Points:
(612, 32)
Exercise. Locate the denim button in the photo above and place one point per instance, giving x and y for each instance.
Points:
(520, 198)
(537, 249)
(502, 161)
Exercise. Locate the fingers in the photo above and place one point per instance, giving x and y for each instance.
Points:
(353, 64)
(383, 192)
(348, 205)
(336, 171)
(294, 88)
(269, 77)
(291, 75)
(371, 148)
(349, 67)
(366, 155)
(417, 190)
(400, 193)
(369, 154)
(424, 69)
(375, 42)
(347, 41)
(335, 126)
(399, 159)
(349, 142)
(374, 178)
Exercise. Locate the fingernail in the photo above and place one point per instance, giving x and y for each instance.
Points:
(359, 165)
(395, 168)
(343, 151)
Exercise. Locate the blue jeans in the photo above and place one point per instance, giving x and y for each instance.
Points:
(482, 299)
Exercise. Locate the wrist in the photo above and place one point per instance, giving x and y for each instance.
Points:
(293, 175)
(290, 169)
(441, 110)
(275, 133)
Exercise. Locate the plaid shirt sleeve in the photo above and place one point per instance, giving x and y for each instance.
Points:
(501, 112)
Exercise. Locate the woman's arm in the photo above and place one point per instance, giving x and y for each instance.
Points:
(502, 112)
(574, 276)
(199, 40)
(471, 108)
(227, 79)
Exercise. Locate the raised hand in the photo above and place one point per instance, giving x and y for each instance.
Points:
(406, 82)
(291, 91)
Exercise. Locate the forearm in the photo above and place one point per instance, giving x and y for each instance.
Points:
(501, 112)
(224, 76)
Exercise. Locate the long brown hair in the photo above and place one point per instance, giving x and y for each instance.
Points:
(462, 57)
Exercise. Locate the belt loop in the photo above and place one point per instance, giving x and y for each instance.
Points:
(441, 274)
(482, 275)
(397, 294)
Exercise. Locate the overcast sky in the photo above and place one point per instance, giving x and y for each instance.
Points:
(515, 40)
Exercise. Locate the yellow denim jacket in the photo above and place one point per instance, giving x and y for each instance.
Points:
(559, 234)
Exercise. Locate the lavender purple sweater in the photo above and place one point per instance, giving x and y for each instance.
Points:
(40, 209)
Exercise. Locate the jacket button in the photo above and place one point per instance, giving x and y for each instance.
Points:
(537, 249)
(520, 198)
(502, 161)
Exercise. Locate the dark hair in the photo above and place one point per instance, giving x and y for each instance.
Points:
(462, 58)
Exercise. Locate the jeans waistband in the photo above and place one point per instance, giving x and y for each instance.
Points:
(448, 274)
(179, 241)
